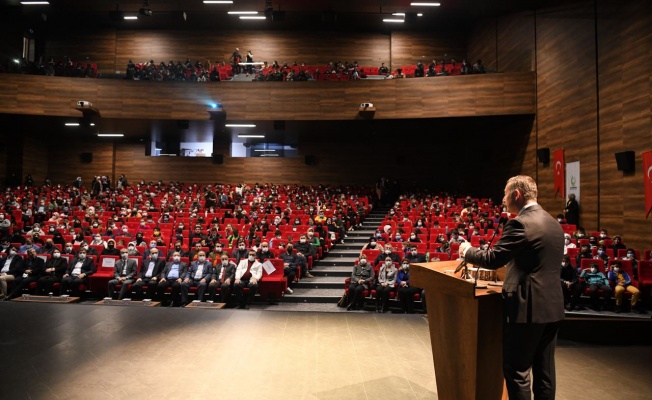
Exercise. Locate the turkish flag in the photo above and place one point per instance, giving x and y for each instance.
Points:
(647, 175)
(560, 171)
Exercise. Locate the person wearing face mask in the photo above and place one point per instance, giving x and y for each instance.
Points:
(264, 253)
(413, 256)
(140, 240)
(110, 250)
(372, 245)
(68, 249)
(153, 244)
(27, 246)
(77, 274)
(406, 292)
(223, 278)
(292, 265)
(247, 275)
(387, 276)
(617, 244)
(388, 252)
(622, 283)
(240, 251)
(596, 281)
(55, 268)
(568, 244)
(4, 247)
(90, 251)
(602, 254)
(570, 284)
(631, 257)
(124, 271)
(604, 235)
(132, 250)
(149, 274)
(48, 248)
(414, 238)
(362, 279)
(306, 254)
(172, 276)
(585, 253)
(11, 267)
(124, 232)
(198, 275)
(98, 241)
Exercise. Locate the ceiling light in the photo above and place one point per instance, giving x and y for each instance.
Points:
(218, 2)
(251, 136)
(247, 17)
(240, 125)
(420, 15)
(425, 4)
(394, 20)
(92, 124)
(130, 17)
(242, 12)
(72, 123)
(263, 150)
(399, 14)
(110, 134)
(269, 155)
(34, 3)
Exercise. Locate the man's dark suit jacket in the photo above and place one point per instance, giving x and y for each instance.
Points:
(131, 268)
(17, 266)
(88, 266)
(532, 246)
(229, 272)
(159, 264)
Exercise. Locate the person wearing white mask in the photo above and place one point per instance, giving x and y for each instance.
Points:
(568, 244)
(596, 281)
(386, 281)
(622, 282)
(362, 277)
(172, 276)
(199, 275)
(123, 274)
(77, 274)
(10, 267)
(223, 278)
(149, 273)
(55, 268)
(247, 275)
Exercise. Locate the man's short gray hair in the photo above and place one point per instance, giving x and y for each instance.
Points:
(525, 184)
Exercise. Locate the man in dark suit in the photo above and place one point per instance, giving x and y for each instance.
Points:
(11, 267)
(123, 274)
(223, 277)
(531, 246)
(78, 272)
(199, 274)
(55, 267)
(149, 274)
(172, 276)
(34, 268)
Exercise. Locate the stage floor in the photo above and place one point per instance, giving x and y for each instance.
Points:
(58, 351)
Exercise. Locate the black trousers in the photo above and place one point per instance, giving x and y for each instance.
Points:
(239, 292)
(201, 289)
(528, 346)
(290, 273)
(355, 293)
(593, 293)
(406, 297)
(72, 283)
(161, 286)
(123, 288)
(382, 295)
(572, 294)
(225, 291)
(20, 283)
(151, 288)
(45, 284)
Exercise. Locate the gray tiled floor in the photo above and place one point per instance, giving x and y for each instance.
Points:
(53, 351)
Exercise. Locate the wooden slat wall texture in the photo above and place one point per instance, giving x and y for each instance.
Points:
(590, 120)
(451, 96)
(408, 48)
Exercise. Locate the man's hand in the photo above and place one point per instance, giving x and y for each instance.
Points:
(463, 247)
(253, 281)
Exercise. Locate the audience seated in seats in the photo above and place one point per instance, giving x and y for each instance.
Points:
(362, 279)
(622, 283)
(150, 273)
(388, 252)
(597, 281)
(571, 285)
(414, 257)
(172, 276)
(568, 244)
(386, 284)
(406, 291)
(247, 275)
(199, 275)
(223, 278)
(124, 272)
(11, 267)
(631, 256)
(33, 270)
(80, 268)
(55, 268)
(293, 264)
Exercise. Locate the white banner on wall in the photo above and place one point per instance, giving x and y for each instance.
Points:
(573, 179)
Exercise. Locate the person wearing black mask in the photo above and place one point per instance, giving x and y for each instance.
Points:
(110, 249)
(570, 284)
(55, 267)
(34, 268)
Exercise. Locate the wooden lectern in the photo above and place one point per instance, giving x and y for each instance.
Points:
(465, 333)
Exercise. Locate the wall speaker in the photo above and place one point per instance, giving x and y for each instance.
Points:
(218, 158)
(86, 158)
(625, 161)
(543, 154)
(310, 160)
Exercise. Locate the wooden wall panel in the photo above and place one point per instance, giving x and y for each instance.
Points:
(408, 48)
(625, 115)
(35, 156)
(95, 47)
(482, 43)
(473, 95)
(515, 49)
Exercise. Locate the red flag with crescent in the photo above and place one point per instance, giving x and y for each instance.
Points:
(647, 175)
(560, 171)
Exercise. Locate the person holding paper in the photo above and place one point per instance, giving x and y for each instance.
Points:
(247, 275)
